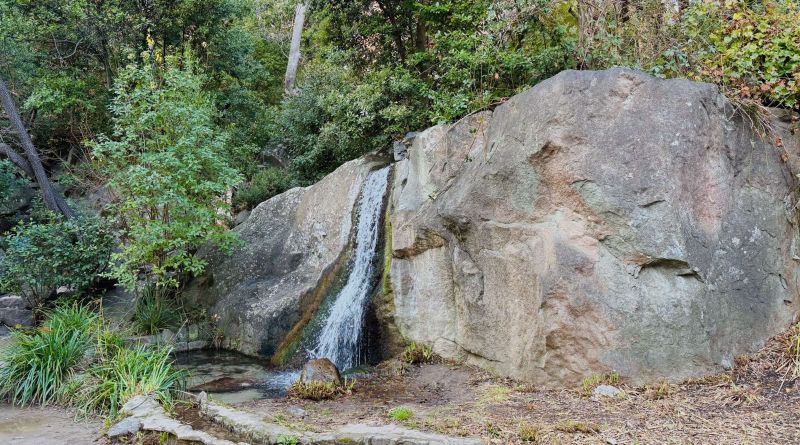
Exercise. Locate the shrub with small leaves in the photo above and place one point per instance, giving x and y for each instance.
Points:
(43, 256)
(265, 184)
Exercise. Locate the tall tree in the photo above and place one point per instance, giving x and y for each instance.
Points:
(52, 199)
(294, 49)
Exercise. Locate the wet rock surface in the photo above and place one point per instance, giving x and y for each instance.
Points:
(290, 244)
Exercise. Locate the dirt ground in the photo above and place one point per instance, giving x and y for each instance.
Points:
(46, 426)
(755, 404)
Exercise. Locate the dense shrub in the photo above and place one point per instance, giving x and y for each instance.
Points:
(42, 255)
(36, 365)
(168, 162)
(751, 49)
(264, 184)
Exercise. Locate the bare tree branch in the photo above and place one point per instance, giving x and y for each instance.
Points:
(16, 159)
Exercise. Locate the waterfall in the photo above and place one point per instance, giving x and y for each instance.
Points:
(341, 334)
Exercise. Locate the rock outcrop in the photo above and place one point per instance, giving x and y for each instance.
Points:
(291, 247)
(601, 220)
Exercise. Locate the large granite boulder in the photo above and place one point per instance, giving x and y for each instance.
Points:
(601, 220)
(291, 247)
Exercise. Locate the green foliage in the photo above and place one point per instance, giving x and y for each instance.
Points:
(42, 256)
(751, 49)
(265, 184)
(337, 117)
(167, 161)
(10, 184)
(417, 353)
(139, 370)
(74, 359)
(156, 310)
(285, 439)
(595, 380)
(39, 362)
(401, 413)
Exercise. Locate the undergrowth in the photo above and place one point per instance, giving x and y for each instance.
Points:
(156, 311)
(319, 390)
(593, 381)
(793, 352)
(39, 361)
(74, 359)
(417, 353)
(401, 413)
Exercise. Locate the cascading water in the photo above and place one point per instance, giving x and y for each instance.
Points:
(341, 334)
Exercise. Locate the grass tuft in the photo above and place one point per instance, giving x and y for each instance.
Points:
(318, 390)
(401, 413)
(155, 311)
(793, 352)
(417, 353)
(593, 381)
(529, 433)
(573, 427)
(39, 362)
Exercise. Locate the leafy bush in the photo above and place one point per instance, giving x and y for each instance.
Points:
(168, 162)
(265, 184)
(156, 310)
(401, 413)
(38, 362)
(338, 116)
(416, 353)
(42, 256)
(133, 371)
(751, 49)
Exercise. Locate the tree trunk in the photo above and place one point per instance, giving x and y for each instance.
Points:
(53, 200)
(294, 49)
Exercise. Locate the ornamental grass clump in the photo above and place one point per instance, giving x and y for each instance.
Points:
(39, 361)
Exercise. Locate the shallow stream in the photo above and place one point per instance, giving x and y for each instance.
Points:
(258, 379)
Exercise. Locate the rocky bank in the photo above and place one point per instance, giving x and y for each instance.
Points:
(599, 221)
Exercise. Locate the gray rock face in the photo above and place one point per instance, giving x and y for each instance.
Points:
(14, 311)
(601, 220)
(289, 246)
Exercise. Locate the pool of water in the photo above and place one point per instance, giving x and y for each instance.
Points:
(264, 381)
